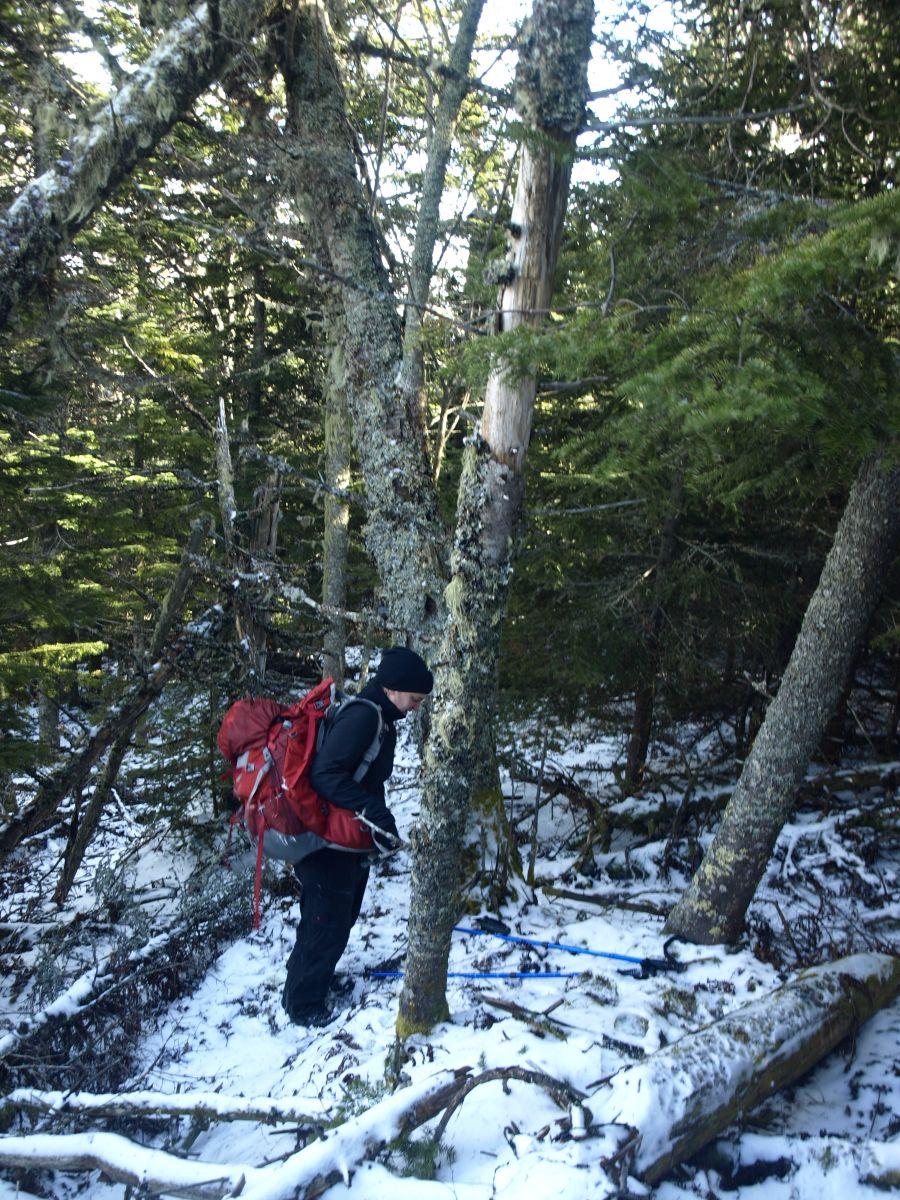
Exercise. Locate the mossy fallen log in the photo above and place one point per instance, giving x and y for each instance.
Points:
(680, 1098)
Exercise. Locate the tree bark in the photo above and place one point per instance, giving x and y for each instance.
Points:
(249, 629)
(125, 129)
(336, 540)
(404, 534)
(452, 95)
(263, 549)
(713, 907)
(680, 1098)
(551, 93)
(642, 723)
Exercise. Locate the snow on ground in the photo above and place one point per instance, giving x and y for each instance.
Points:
(230, 1036)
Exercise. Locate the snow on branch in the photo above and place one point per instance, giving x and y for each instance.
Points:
(305, 1174)
(78, 996)
(125, 1162)
(52, 208)
(201, 1105)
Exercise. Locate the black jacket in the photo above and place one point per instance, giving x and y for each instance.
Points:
(349, 736)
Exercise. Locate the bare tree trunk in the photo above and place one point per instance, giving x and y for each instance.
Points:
(263, 549)
(551, 90)
(248, 607)
(257, 354)
(125, 129)
(713, 907)
(48, 716)
(893, 718)
(452, 96)
(642, 723)
(336, 540)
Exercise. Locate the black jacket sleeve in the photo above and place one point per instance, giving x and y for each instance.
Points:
(332, 769)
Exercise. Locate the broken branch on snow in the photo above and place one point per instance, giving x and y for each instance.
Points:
(304, 1175)
(200, 1105)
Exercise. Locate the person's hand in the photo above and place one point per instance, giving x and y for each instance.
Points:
(383, 828)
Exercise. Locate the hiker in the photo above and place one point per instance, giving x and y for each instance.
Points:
(333, 879)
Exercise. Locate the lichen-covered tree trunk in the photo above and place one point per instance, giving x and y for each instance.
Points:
(713, 907)
(642, 720)
(125, 129)
(403, 532)
(551, 90)
(336, 540)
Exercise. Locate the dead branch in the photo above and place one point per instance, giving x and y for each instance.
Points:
(607, 900)
(200, 1105)
(171, 606)
(537, 1022)
(561, 1092)
(304, 1175)
(316, 486)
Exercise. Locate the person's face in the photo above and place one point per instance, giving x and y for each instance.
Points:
(405, 701)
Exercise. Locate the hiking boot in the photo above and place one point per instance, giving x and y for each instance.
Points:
(341, 985)
(313, 1017)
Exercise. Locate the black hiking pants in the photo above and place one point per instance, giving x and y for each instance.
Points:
(333, 884)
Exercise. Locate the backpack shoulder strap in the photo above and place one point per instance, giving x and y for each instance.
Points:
(342, 703)
(375, 745)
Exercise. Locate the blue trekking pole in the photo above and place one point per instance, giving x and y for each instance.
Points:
(644, 967)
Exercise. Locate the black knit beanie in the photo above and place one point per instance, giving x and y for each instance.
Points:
(403, 670)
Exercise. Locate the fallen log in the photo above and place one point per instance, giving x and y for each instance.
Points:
(200, 1105)
(124, 1161)
(680, 1098)
(303, 1176)
(324, 1163)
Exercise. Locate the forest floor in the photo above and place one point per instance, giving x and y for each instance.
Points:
(831, 889)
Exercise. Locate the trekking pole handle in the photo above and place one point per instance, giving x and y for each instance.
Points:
(394, 843)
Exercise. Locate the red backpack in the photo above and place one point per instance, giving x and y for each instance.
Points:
(270, 748)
